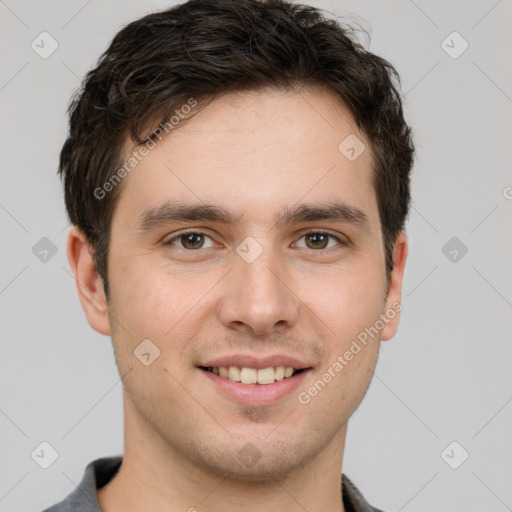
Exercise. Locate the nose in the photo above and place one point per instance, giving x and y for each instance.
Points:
(258, 298)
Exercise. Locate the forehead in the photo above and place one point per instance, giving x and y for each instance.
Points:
(257, 151)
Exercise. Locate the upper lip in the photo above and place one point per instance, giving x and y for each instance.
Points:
(248, 361)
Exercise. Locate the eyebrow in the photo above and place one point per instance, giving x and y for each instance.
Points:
(169, 212)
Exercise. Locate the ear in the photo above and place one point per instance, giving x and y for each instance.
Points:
(393, 304)
(88, 281)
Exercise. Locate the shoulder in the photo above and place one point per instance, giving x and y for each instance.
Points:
(353, 500)
(83, 498)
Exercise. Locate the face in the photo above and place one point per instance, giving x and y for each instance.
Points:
(286, 270)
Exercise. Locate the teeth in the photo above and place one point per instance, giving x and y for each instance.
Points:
(252, 375)
(248, 376)
(279, 373)
(266, 376)
(234, 373)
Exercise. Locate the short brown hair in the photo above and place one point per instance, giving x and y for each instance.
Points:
(203, 48)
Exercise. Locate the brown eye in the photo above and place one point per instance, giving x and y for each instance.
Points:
(190, 241)
(319, 240)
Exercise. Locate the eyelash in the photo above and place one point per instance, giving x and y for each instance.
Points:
(316, 232)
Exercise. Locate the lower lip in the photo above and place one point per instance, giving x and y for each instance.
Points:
(256, 394)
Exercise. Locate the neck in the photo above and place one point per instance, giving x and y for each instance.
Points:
(154, 476)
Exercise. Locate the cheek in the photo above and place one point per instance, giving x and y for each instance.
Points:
(156, 307)
(356, 376)
(350, 308)
(346, 302)
(142, 306)
(152, 301)
(149, 309)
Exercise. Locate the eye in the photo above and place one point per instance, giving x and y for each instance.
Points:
(191, 240)
(195, 240)
(319, 240)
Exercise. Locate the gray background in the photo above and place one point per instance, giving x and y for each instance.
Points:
(445, 377)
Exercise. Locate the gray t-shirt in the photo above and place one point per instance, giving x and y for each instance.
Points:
(100, 471)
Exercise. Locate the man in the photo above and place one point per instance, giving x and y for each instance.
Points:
(237, 176)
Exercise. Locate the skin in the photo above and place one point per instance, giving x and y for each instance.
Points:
(255, 153)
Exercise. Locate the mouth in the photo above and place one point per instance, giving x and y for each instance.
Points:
(249, 386)
(247, 375)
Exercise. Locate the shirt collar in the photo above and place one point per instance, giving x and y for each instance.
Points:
(100, 471)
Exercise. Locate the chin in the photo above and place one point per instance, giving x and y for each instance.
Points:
(268, 471)
(256, 461)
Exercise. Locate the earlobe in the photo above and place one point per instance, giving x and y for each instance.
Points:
(88, 281)
(393, 303)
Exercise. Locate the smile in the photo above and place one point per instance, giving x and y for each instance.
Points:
(247, 375)
(254, 386)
